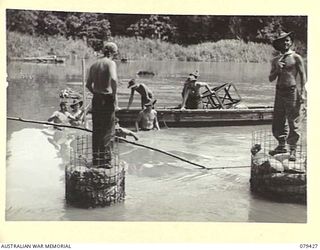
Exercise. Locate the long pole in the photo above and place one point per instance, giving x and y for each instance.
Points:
(84, 89)
(124, 140)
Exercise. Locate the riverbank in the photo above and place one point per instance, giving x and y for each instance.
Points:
(140, 49)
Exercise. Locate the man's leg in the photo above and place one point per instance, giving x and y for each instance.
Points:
(279, 127)
(107, 131)
(95, 135)
(294, 121)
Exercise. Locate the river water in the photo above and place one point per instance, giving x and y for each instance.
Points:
(158, 187)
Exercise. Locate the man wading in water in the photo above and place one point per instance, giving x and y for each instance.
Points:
(147, 118)
(288, 99)
(102, 83)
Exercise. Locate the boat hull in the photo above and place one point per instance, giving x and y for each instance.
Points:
(203, 117)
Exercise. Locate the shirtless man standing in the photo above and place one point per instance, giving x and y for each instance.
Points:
(147, 118)
(289, 96)
(102, 83)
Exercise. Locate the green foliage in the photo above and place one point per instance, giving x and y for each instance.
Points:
(49, 24)
(141, 49)
(186, 30)
(182, 29)
(24, 21)
(19, 45)
(154, 27)
(73, 26)
(221, 51)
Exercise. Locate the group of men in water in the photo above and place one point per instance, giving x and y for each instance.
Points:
(102, 83)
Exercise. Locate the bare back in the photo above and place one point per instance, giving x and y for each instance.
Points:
(101, 73)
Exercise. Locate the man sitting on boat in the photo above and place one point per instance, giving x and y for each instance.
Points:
(191, 96)
(147, 118)
(145, 93)
(62, 116)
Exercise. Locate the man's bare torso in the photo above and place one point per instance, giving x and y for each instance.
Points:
(287, 76)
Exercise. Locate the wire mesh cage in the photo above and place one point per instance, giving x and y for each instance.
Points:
(276, 175)
(263, 142)
(94, 178)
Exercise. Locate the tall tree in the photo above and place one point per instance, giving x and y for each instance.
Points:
(95, 29)
(49, 24)
(24, 21)
(155, 27)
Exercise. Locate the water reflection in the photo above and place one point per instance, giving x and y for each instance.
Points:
(158, 187)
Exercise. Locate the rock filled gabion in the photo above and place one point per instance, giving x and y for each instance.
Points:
(275, 176)
(93, 186)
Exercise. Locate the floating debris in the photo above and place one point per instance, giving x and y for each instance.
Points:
(145, 73)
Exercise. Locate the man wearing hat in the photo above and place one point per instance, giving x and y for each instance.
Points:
(77, 112)
(102, 83)
(191, 96)
(147, 118)
(143, 90)
(289, 95)
(62, 116)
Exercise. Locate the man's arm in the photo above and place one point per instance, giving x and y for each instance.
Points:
(89, 82)
(71, 117)
(302, 74)
(276, 67)
(138, 120)
(185, 97)
(114, 83)
(156, 123)
(52, 117)
(129, 133)
(206, 85)
(131, 98)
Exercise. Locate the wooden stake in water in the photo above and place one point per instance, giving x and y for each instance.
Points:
(84, 89)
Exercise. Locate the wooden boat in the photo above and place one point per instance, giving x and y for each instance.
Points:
(44, 59)
(202, 117)
(221, 108)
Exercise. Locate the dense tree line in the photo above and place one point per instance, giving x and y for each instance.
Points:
(181, 29)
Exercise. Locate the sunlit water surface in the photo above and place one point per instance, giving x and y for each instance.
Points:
(158, 187)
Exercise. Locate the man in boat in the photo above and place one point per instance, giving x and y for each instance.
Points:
(191, 96)
(123, 132)
(145, 93)
(289, 95)
(62, 116)
(77, 112)
(102, 83)
(147, 118)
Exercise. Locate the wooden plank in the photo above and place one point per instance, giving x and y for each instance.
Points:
(203, 117)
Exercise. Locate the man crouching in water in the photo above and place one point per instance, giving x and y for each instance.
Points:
(147, 118)
(289, 97)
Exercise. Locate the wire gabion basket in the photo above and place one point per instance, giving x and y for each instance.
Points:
(276, 176)
(94, 179)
